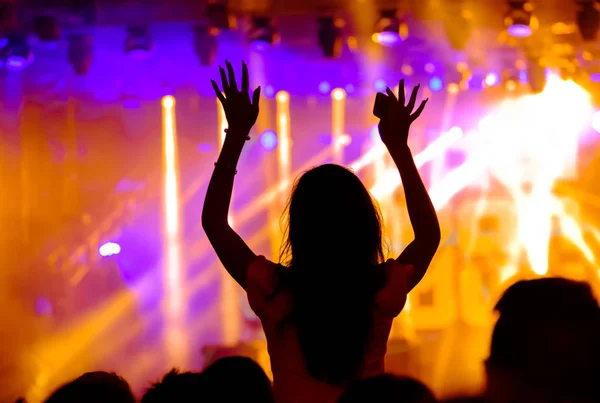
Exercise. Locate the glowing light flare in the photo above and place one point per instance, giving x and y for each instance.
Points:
(436, 84)
(222, 123)
(174, 262)
(529, 143)
(338, 107)
(387, 38)
(285, 141)
(109, 249)
(492, 79)
(520, 30)
(390, 179)
(455, 181)
(596, 122)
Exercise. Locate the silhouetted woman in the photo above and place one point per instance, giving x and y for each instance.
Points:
(327, 311)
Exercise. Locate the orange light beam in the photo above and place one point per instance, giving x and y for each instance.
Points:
(175, 336)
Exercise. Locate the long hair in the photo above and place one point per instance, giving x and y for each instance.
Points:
(332, 248)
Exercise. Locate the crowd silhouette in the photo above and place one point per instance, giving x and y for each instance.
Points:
(327, 307)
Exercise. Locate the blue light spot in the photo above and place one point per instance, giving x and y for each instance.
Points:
(268, 140)
(595, 77)
(350, 88)
(380, 85)
(16, 63)
(324, 87)
(259, 45)
(269, 91)
(436, 84)
(523, 77)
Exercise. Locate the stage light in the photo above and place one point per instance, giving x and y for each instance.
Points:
(518, 20)
(80, 53)
(268, 140)
(17, 54)
(453, 88)
(338, 117)
(457, 25)
(389, 29)
(436, 84)
(330, 36)
(174, 264)
(46, 28)
(206, 44)
(523, 77)
(138, 44)
(595, 77)
(109, 249)
(350, 88)
(218, 16)
(380, 85)
(588, 20)
(429, 68)
(284, 150)
(596, 121)
(492, 79)
(324, 87)
(407, 70)
(338, 94)
(262, 34)
(511, 85)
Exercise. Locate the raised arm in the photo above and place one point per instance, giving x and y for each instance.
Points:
(394, 128)
(241, 114)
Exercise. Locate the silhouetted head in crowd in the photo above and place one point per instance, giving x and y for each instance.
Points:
(94, 387)
(236, 379)
(334, 239)
(465, 400)
(176, 387)
(387, 389)
(545, 345)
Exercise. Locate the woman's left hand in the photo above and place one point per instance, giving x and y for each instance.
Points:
(240, 111)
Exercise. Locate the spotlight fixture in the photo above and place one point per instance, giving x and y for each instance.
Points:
(16, 54)
(205, 43)
(46, 28)
(518, 20)
(588, 19)
(262, 34)
(218, 16)
(389, 30)
(8, 18)
(138, 43)
(457, 25)
(330, 36)
(80, 53)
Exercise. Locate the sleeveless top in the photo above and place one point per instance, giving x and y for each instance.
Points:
(292, 382)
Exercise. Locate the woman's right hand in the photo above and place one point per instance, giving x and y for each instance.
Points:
(240, 111)
(395, 125)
